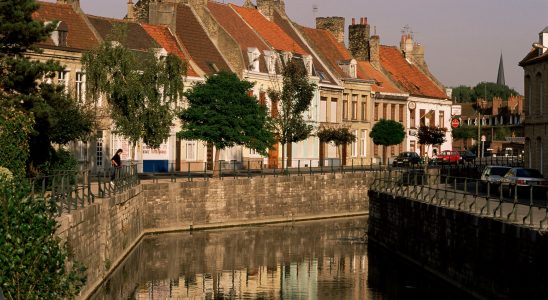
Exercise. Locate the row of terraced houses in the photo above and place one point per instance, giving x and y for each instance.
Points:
(356, 86)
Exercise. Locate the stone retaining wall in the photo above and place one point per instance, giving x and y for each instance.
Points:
(102, 234)
(485, 256)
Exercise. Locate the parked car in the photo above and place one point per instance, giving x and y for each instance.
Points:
(517, 178)
(493, 174)
(449, 157)
(407, 159)
(467, 156)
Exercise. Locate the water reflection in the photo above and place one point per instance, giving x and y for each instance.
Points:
(312, 260)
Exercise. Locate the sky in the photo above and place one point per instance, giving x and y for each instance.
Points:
(463, 39)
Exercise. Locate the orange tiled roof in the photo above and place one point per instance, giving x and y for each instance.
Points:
(270, 31)
(408, 76)
(166, 40)
(201, 49)
(79, 35)
(319, 69)
(328, 47)
(382, 83)
(239, 30)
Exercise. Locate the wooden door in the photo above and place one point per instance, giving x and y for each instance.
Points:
(273, 157)
(210, 157)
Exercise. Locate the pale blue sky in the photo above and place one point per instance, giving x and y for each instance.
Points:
(463, 39)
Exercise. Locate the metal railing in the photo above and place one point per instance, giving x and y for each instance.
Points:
(234, 169)
(515, 204)
(71, 190)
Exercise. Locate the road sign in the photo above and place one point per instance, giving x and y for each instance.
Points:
(456, 110)
(455, 122)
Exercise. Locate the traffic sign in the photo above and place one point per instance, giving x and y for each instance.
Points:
(455, 122)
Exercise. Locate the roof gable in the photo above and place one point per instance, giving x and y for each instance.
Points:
(382, 83)
(166, 40)
(79, 35)
(327, 46)
(408, 76)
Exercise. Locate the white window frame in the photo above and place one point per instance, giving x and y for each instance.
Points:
(191, 147)
(355, 145)
(363, 142)
(80, 86)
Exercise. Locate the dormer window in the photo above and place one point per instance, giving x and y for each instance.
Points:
(270, 58)
(160, 53)
(287, 56)
(253, 55)
(60, 34)
(308, 64)
(353, 69)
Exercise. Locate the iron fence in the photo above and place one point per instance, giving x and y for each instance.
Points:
(514, 204)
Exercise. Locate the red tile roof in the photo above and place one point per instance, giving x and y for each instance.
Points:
(136, 37)
(382, 83)
(269, 30)
(79, 35)
(239, 30)
(319, 69)
(166, 40)
(197, 42)
(408, 76)
(327, 46)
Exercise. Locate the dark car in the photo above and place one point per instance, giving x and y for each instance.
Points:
(407, 159)
(467, 156)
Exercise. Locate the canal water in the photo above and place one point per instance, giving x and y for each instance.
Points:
(327, 259)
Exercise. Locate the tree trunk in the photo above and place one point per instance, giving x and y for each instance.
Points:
(283, 156)
(216, 164)
(384, 155)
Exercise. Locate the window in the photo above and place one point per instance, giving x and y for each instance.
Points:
(364, 108)
(392, 150)
(412, 118)
(431, 118)
(262, 98)
(99, 149)
(384, 110)
(80, 86)
(401, 114)
(355, 145)
(376, 150)
(412, 146)
(401, 148)
(422, 117)
(363, 140)
(541, 94)
(323, 109)
(333, 116)
(345, 107)
(441, 121)
(62, 79)
(529, 94)
(191, 150)
(393, 112)
(354, 107)
(376, 112)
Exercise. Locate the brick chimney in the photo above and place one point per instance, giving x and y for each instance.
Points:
(74, 3)
(358, 39)
(335, 25)
(130, 12)
(266, 7)
(374, 52)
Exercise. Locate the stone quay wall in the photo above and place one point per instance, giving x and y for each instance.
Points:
(482, 255)
(102, 234)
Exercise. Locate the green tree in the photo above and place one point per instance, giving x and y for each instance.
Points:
(464, 132)
(338, 136)
(387, 133)
(15, 127)
(220, 112)
(56, 118)
(430, 135)
(482, 90)
(140, 88)
(294, 98)
(32, 261)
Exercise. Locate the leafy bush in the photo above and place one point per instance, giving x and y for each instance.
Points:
(15, 128)
(32, 260)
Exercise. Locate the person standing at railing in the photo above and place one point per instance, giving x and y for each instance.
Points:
(116, 163)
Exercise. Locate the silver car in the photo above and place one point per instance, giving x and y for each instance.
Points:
(523, 177)
(493, 174)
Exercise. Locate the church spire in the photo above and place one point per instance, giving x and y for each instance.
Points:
(500, 76)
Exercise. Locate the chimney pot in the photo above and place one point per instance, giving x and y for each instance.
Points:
(353, 21)
(365, 21)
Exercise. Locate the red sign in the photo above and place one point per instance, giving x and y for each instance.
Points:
(455, 123)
